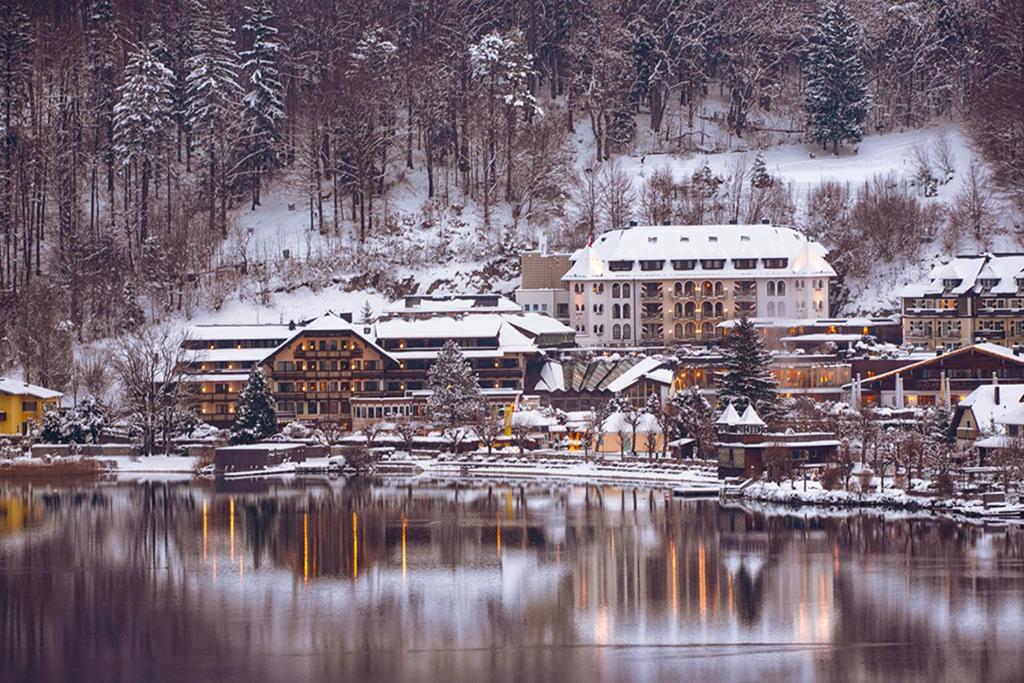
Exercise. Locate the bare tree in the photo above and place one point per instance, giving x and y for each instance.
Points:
(488, 428)
(149, 365)
(615, 195)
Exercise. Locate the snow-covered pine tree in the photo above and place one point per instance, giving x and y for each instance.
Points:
(747, 374)
(142, 121)
(455, 389)
(366, 314)
(836, 96)
(213, 100)
(264, 103)
(694, 419)
(759, 176)
(255, 418)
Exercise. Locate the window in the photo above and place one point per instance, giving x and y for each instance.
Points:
(707, 310)
(616, 332)
(311, 407)
(771, 308)
(706, 288)
(781, 287)
(771, 289)
(29, 406)
(712, 263)
(719, 289)
(719, 310)
(285, 366)
(626, 311)
(744, 263)
(3, 416)
(678, 310)
(620, 266)
(625, 291)
(616, 291)
(690, 309)
(775, 262)
(578, 287)
(684, 264)
(652, 265)
(691, 330)
(616, 311)
(950, 283)
(678, 331)
(677, 289)
(690, 288)
(627, 332)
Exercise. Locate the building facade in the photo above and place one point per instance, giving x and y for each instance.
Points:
(972, 298)
(22, 406)
(542, 289)
(661, 285)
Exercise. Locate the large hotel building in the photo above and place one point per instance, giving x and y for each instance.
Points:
(659, 285)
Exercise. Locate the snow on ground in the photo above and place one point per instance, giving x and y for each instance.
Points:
(178, 464)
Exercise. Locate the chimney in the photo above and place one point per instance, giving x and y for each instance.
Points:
(995, 388)
(766, 221)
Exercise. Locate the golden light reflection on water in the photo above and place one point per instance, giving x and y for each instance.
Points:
(702, 582)
(405, 567)
(205, 533)
(231, 507)
(355, 545)
(305, 547)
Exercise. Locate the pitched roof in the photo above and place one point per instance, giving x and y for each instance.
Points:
(750, 418)
(978, 273)
(984, 347)
(988, 413)
(728, 417)
(15, 387)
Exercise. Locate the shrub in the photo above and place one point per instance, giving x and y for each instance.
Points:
(831, 477)
(944, 485)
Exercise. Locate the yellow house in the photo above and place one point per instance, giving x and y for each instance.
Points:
(23, 404)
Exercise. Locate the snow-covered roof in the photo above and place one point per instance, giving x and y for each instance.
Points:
(459, 303)
(778, 323)
(533, 418)
(984, 347)
(439, 327)
(823, 337)
(980, 273)
(216, 377)
(225, 355)
(238, 332)
(987, 413)
(635, 374)
(537, 324)
(16, 387)
(700, 242)
(750, 418)
(329, 322)
(728, 417)
(551, 377)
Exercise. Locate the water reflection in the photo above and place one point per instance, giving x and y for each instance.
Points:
(390, 581)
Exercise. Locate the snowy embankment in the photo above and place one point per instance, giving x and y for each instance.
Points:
(795, 493)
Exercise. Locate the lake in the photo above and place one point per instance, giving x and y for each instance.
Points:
(387, 580)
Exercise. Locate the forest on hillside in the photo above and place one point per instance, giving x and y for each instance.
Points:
(133, 132)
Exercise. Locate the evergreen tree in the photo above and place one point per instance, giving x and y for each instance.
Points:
(694, 418)
(264, 104)
(366, 314)
(837, 93)
(212, 99)
(255, 418)
(759, 176)
(455, 389)
(142, 121)
(747, 375)
(938, 425)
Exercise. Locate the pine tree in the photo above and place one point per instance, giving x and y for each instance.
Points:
(455, 389)
(837, 93)
(255, 418)
(264, 104)
(212, 99)
(694, 419)
(747, 375)
(143, 119)
(759, 176)
(366, 314)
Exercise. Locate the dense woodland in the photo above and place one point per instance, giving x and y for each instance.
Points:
(133, 131)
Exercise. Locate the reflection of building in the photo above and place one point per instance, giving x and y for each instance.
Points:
(22, 405)
(744, 444)
(944, 377)
(969, 299)
(657, 285)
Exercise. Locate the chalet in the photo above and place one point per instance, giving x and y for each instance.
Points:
(944, 377)
(22, 405)
(979, 414)
(743, 441)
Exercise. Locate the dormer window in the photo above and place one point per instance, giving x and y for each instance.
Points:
(684, 239)
(744, 263)
(652, 265)
(775, 263)
(652, 240)
(712, 238)
(620, 266)
(744, 238)
(950, 283)
(684, 264)
(712, 263)
(988, 283)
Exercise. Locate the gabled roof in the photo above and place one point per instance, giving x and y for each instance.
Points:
(987, 413)
(14, 387)
(326, 323)
(999, 271)
(986, 348)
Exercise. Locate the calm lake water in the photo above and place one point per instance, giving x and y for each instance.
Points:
(380, 581)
